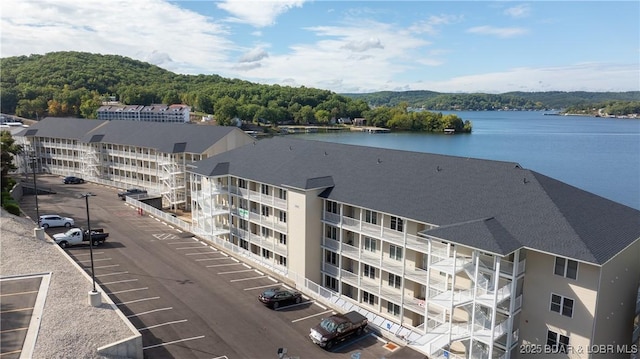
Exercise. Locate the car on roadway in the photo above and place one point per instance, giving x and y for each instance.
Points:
(54, 220)
(72, 180)
(276, 297)
(134, 192)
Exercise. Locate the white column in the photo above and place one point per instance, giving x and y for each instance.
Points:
(496, 261)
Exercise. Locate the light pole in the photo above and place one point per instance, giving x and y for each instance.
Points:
(34, 162)
(38, 231)
(94, 295)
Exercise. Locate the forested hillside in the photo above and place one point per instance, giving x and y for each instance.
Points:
(76, 83)
(486, 102)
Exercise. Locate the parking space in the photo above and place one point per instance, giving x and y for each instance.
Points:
(18, 297)
(191, 300)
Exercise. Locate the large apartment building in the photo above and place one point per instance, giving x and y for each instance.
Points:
(471, 258)
(153, 156)
(152, 113)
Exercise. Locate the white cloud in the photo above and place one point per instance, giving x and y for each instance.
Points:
(253, 55)
(363, 45)
(432, 24)
(147, 30)
(257, 13)
(518, 11)
(502, 32)
(577, 77)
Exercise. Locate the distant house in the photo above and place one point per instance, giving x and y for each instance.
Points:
(359, 121)
(344, 121)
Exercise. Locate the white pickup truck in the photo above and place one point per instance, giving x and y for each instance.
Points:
(76, 236)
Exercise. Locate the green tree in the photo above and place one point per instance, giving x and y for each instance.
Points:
(225, 110)
(9, 152)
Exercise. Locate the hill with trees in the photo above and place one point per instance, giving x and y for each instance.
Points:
(488, 102)
(75, 84)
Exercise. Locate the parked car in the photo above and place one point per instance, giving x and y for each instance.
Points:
(276, 297)
(337, 328)
(135, 192)
(54, 220)
(72, 180)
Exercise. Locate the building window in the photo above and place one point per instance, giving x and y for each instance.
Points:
(282, 261)
(395, 252)
(283, 216)
(368, 298)
(282, 238)
(332, 233)
(395, 280)
(242, 183)
(369, 271)
(557, 342)
(266, 253)
(397, 224)
(331, 257)
(265, 211)
(282, 194)
(264, 189)
(371, 217)
(331, 283)
(370, 244)
(566, 268)
(266, 232)
(393, 309)
(332, 207)
(562, 305)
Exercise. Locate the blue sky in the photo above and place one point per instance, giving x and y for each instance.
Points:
(351, 46)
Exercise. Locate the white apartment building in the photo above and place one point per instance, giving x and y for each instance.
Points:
(152, 113)
(153, 156)
(464, 257)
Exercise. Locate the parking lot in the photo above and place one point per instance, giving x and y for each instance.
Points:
(187, 298)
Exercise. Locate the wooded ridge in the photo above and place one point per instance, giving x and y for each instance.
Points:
(76, 83)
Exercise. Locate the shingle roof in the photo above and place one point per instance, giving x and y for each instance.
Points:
(164, 137)
(491, 205)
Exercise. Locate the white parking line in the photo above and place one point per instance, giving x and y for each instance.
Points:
(320, 305)
(222, 357)
(243, 279)
(121, 281)
(109, 266)
(86, 254)
(188, 247)
(173, 342)
(211, 259)
(190, 242)
(137, 300)
(149, 311)
(260, 287)
(198, 254)
(128, 290)
(95, 260)
(237, 271)
(167, 323)
(311, 316)
(115, 273)
(222, 265)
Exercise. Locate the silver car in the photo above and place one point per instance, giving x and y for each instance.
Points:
(54, 220)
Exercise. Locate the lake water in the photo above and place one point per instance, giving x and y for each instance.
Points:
(599, 155)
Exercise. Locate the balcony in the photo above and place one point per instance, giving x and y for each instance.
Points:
(349, 278)
(330, 269)
(506, 267)
(391, 294)
(416, 274)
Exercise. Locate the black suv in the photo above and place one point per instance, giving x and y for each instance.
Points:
(72, 180)
(135, 192)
